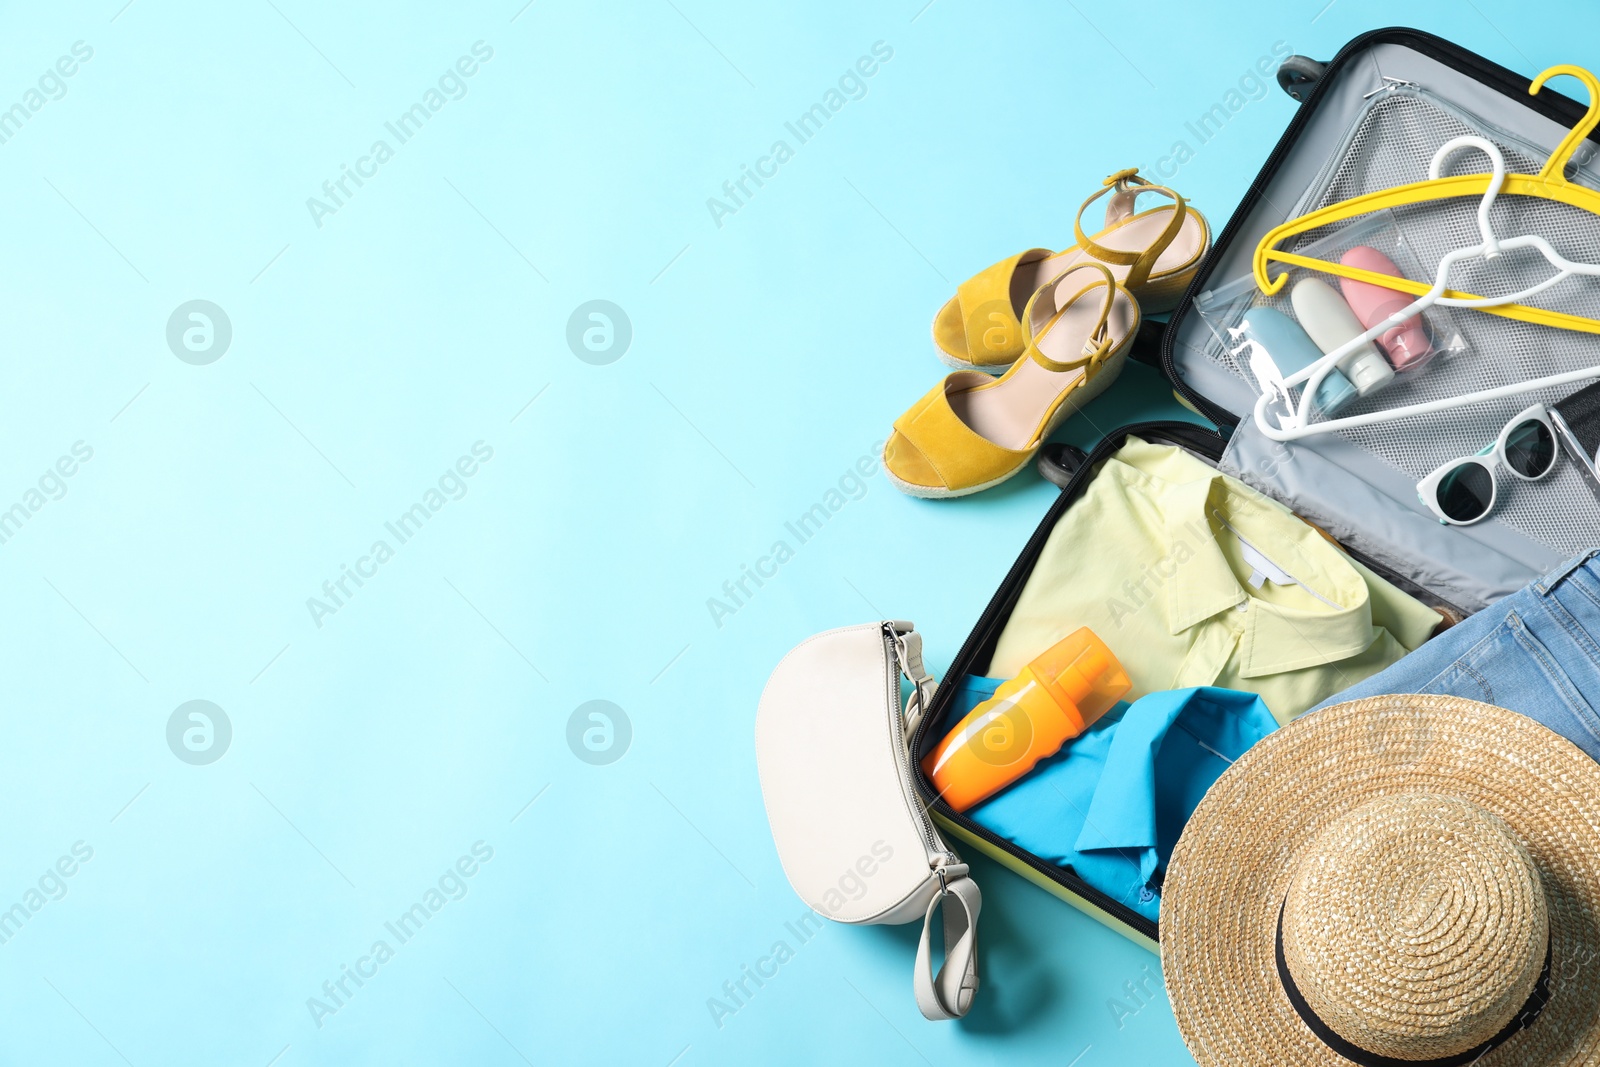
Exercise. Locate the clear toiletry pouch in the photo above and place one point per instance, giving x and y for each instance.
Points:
(1270, 338)
(856, 842)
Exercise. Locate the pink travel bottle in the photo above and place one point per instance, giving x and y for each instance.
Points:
(1407, 344)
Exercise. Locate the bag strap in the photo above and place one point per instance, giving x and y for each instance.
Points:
(908, 650)
(948, 994)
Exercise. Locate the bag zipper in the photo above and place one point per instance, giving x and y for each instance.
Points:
(939, 854)
(1494, 130)
(1549, 103)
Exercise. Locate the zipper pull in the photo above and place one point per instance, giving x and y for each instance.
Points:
(1389, 85)
(943, 865)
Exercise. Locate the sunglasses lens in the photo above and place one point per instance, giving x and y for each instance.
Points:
(1465, 493)
(1531, 449)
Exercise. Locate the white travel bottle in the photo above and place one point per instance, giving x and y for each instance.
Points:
(1324, 315)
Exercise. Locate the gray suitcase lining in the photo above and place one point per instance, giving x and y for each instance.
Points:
(1369, 134)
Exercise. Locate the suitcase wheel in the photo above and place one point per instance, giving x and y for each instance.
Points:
(1299, 74)
(1059, 461)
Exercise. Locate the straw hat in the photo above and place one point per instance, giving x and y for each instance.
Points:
(1402, 881)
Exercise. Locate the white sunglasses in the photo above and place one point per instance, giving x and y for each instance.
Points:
(1463, 491)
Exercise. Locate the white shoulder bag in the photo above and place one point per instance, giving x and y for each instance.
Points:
(832, 747)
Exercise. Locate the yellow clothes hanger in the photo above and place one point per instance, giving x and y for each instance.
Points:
(1549, 184)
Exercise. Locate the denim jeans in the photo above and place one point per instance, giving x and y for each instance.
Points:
(1536, 651)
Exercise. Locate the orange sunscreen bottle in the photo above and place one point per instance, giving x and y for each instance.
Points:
(1056, 697)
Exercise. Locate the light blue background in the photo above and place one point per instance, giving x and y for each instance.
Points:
(768, 355)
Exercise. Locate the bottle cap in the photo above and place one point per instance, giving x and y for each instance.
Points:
(1367, 370)
(1082, 677)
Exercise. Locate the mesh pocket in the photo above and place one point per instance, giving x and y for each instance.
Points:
(1393, 145)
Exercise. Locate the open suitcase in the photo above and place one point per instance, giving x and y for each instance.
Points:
(1369, 119)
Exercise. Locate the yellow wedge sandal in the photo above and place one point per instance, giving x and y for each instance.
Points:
(973, 431)
(1153, 253)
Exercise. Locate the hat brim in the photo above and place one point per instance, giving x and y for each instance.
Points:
(1232, 865)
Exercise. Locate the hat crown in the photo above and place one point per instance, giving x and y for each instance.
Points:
(1415, 926)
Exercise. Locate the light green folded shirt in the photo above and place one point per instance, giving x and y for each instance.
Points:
(1193, 578)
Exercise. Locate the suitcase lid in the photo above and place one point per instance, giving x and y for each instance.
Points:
(1372, 120)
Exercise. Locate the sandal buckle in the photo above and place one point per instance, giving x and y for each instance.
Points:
(1121, 175)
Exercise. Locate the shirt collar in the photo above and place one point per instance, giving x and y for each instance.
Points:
(1275, 638)
(1123, 812)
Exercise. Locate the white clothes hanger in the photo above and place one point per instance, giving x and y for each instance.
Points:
(1295, 423)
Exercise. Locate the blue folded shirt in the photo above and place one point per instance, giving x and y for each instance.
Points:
(1111, 804)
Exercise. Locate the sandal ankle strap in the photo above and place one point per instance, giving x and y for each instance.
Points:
(1051, 292)
(1128, 186)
